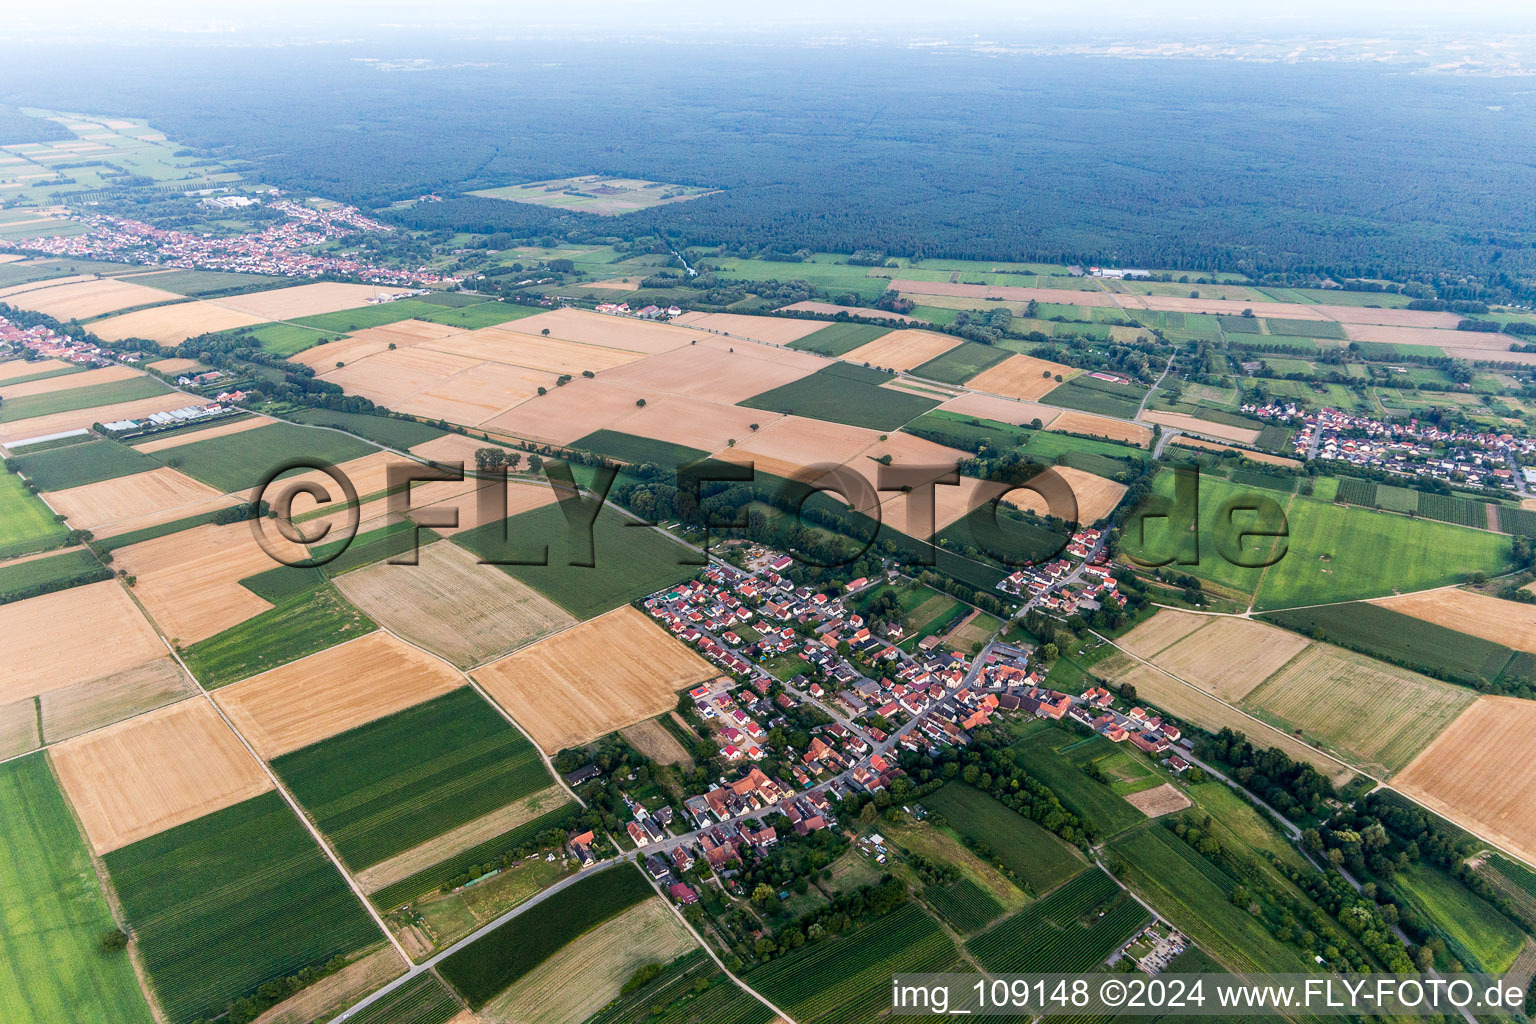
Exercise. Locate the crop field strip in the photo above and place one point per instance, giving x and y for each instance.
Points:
(964, 904)
(1034, 855)
(387, 786)
(846, 978)
(55, 914)
(1048, 935)
(227, 902)
(844, 393)
(80, 464)
(422, 1000)
(36, 576)
(482, 969)
(89, 397)
(674, 992)
(838, 339)
(27, 525)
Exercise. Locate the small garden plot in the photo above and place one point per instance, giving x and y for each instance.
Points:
(392, 784)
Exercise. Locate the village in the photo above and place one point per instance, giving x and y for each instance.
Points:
(282, 249)
(1412, 449)
(921, 702)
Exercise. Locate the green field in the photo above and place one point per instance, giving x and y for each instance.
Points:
(481, 314)
(1400, 639)
(826, 270)
(236, 462)
(28, 406)
(967, 432)
(377, 315)
(303, 624)
(230, 901)
(1028, 851)
(1073, 929)
(392, 784)
(388, 431)
(45, 575)
(1102, 397)
(1472, 925)
(630, 561)
(837, 339)
(488, 965)
(847, 978)
(1193, 894)
(961, 363)
(1333, 553)
(55, 914)
(289, 339)
(965, 905)
(1094, 802)
(636, 450)
(86, 463)
(845, 393)
(26, 524)
(422, 1000)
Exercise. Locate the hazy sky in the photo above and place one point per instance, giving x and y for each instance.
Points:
(1116, 18)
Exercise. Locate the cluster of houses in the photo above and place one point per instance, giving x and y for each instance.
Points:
(644, 313)
(1050, 585)
(1411, 448)
(1147, 732)
(281, 249)
(50, 345)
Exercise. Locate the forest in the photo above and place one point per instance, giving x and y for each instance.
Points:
(1343, 170)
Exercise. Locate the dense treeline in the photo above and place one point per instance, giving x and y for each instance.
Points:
(904, 152)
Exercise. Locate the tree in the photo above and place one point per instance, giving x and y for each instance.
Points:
(640, 403)
(489, 460)
(545, 332)
(535, 463)
(1049, 652)
(114, 941)
(762, 894)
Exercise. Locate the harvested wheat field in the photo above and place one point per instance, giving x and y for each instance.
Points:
(134, 502)
(775, 330)
(1399, 316)
(1096, 496)
(1023, 377)
(132, 780)
(1073, 422)
(1161, 631)
(477, 394)
(536, 352)
(371, 341)
(189, 581)
(391, 377)
(1185, 441)
(82, 707)
(590, 328)
(84, 299)
(1234, 307)
(616, 284)
(603, 958)
(1003, 410)
(27, 367)
(71, 636)
(1392, 335)
(902, 350)
(1179, 421)
(907, 453)
(173, 366)
(653, 740)
(787, 444)
(1067, 296)
(830, 309)
(452, 605)
(1504, 622)
(341, 688)
(1159, 800)
(1376, 714)
(58, 422)
(1188, 704)
(1230, 656)
(300, 300)
(450, 448)
(330, 995)
(1479, 773)
(178, 438)
(690, 421)
(565, 414)
(575, 686)
(69, 381)
(456, 840)
(172, 325)
(473, 500)
(18, 728)
(716, 370)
